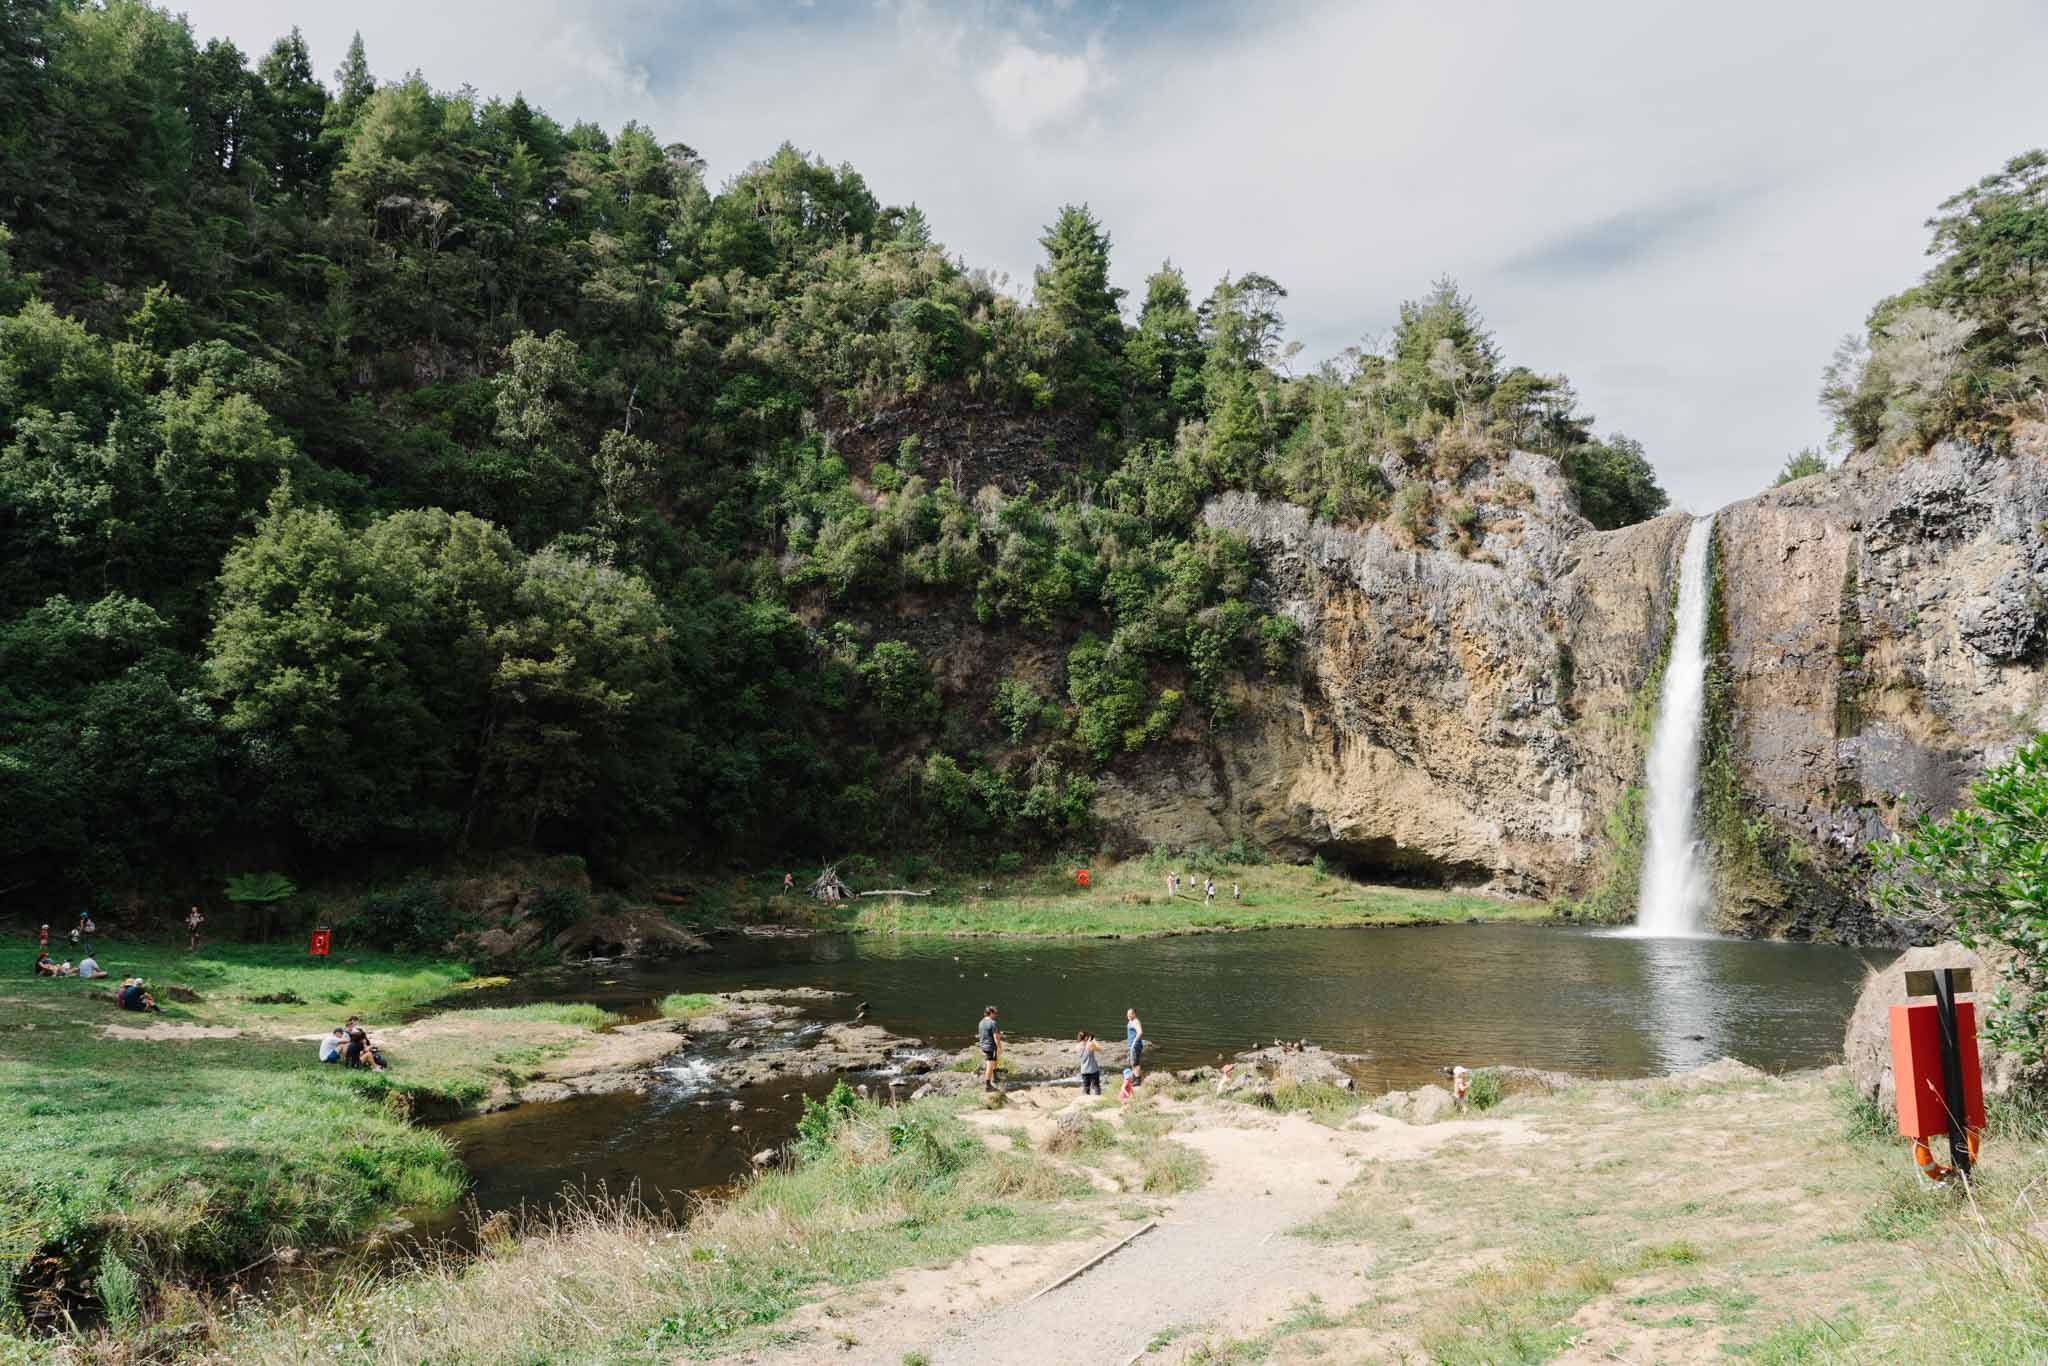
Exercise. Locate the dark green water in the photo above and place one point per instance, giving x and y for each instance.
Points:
(1415, 999)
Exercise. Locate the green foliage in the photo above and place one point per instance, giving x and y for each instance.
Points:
(821, 1121)
(1964, 353)
(1486, 1088)
(415, 917)
(557, 908)
(118, 1287)
(259, 887)
(1614, 482)
(1801, 464)
(1981, 873)
(395, 470)
(1017, 707)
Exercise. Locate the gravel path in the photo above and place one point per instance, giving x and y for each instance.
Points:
(1218, 1256)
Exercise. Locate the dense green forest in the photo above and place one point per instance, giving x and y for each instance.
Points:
(384, 469)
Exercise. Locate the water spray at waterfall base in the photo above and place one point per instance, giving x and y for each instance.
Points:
(1675, 892)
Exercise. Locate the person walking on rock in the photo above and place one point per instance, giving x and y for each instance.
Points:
(991, 1040)
(1134, 1040)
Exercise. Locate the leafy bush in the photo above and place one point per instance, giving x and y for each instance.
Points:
(557, 908)
(1982, 873)
(414, 917)
(1487, 1088)
(820, 1120)
(1017, 707)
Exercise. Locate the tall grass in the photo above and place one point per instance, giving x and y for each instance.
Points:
(608, 1280)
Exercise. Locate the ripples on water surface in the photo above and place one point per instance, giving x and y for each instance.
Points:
(1416, 999)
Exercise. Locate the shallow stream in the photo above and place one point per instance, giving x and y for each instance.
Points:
(1415, 999)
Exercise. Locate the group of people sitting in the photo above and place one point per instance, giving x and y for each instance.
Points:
(350, 1046)
(87, 966)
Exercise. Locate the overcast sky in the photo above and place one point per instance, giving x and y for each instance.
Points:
(1679, 205)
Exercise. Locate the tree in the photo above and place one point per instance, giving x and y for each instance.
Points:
(1078, 307)
(1982, 872)
(1615, 484)
(353, 86)
(296, 110)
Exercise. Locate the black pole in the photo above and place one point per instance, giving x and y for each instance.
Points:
(1952, 1071)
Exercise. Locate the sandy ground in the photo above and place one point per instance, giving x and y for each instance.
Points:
(1635, 1222)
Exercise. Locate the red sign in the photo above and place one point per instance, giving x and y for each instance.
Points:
(321, 938)
(1080, 877)
(1916, 1069)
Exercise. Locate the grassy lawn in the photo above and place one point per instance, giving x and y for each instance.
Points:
(1130, 899)
(218, 1136)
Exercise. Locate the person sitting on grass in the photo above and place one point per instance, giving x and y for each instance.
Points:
(64, 969)
(45, 967)
(89, 966)
(134, 995)
(361, 1052)
(334, 1046)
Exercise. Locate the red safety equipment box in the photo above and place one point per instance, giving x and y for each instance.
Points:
(1080, 877)
(1916, 1068)
(321, 939)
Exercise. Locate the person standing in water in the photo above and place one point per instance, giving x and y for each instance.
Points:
(1134, 1040)
(991, 1040)
(1091, 1064)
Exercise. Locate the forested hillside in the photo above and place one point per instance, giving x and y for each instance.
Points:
(385, 469)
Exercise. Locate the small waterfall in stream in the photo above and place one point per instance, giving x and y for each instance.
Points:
(1674, 895)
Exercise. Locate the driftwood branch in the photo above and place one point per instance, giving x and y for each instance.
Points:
(896, 891)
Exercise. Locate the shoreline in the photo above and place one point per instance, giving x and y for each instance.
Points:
(1248, 1199)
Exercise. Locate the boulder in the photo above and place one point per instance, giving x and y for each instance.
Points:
(1867, 1047)
(1425, 1105)
(635, 933)
(1430, 1104)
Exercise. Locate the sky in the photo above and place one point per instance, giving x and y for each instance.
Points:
(1681, 206)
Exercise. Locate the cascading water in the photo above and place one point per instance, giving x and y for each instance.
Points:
(1673, 898)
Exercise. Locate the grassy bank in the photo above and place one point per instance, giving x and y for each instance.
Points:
(874, 1189)
(1129, 899)
(1730, 1216)
(199, 1140)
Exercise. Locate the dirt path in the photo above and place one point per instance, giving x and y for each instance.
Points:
(1678, 1221)
(1220, 1257)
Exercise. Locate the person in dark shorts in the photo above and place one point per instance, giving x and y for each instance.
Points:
(991, 1040)
(1091, 1064)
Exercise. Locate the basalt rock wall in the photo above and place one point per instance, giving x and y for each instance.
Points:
(1477, 714)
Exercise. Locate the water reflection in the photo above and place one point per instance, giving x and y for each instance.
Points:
(1415, 999)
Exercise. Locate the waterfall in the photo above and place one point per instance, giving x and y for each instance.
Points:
(1675, 891)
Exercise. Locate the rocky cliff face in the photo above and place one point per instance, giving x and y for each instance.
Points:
(1480, 717)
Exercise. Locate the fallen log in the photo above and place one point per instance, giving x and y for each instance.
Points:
(896, 891)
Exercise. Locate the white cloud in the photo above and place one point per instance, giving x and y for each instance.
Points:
(1026, 88)
(1680, 206)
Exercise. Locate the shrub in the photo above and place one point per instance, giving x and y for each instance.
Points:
(414, 917)
(557, 908)
(1982, 871)
(1488, 1086)
(1017, 707)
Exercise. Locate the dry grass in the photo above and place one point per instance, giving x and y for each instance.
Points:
(606, 1280)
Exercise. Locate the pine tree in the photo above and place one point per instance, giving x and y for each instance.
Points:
(353, 85)
(1078, 305)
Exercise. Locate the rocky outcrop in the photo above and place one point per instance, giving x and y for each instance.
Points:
(1475, 712)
